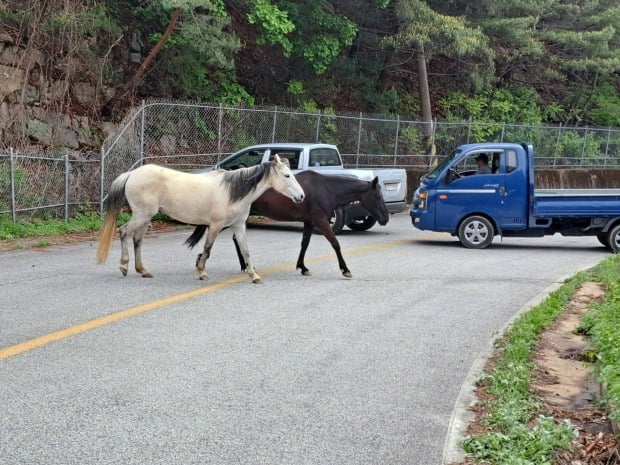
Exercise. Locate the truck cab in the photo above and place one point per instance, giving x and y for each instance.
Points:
(455, 197)
(454, 190)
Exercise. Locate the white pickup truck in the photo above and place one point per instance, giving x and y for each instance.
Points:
(325, 158)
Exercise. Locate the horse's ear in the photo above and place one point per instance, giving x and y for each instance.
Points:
(277, 159)
(375, 182)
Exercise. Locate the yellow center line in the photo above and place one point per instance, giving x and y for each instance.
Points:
(31, 344)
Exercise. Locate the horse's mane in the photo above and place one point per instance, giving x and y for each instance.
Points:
(243, 181)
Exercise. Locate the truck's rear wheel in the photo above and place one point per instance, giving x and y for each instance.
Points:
(476, 232)
(362, 224)
(603, 238)
(614, 239)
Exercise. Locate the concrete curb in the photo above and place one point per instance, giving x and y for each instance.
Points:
(461, 415)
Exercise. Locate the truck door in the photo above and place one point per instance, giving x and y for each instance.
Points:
(513, 206)
(496, 194)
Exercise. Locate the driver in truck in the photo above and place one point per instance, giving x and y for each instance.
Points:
(482, 161)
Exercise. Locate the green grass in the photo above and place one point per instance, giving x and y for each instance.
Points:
(520, 432)
(602, 324)
(86, 220)
(513, 440)
(82, 222)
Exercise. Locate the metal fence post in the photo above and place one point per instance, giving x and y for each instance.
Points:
(318, 128)
(396, 141)
(359, 142)
(13, 206)
(220, 116)
(583, 146)
(66, 186)
(557, 145)
(607, 146)
(273, 127)
(142, 128)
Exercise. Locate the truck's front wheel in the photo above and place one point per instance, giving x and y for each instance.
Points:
(614, 239)
(603, 238)
(476, 232)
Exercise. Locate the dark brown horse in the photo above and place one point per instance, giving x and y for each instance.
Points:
(323, 195)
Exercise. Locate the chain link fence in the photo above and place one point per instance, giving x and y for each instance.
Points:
(188, 136)
(33, 185)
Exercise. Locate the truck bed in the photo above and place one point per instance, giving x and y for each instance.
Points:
(576, 202)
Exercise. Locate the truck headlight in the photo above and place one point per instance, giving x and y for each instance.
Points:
(422, 200)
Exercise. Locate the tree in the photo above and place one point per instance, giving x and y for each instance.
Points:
(425, 33)
(565, 49)
(195, 47)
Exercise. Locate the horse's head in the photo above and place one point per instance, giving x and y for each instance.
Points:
(374, 203)
(284, 181)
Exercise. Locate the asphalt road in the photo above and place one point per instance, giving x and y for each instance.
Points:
(96, 368)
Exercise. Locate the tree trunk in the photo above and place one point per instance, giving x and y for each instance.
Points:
(425, 100)
(110, 105)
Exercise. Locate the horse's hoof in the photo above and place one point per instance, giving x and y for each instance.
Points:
(203, 277)
(347, 274)
(147, 275)
(123, 270)
(306, 273)
(257, 280)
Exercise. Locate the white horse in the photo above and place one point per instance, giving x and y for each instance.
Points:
(217, 199)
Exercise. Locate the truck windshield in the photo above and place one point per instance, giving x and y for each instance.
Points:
(439, 168)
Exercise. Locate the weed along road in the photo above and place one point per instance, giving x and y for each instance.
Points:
(96, 368)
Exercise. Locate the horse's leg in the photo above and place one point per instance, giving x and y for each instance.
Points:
(239, 254)
(212, 233)
(240, 239)
(305, 241)
(326, 230)
(122, 232)
(136, 224)
(138, 236)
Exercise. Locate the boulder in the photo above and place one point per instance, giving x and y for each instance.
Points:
(11, 79)
(40, 131)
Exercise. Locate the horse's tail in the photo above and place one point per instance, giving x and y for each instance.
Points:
(113, 205)
(192, 240)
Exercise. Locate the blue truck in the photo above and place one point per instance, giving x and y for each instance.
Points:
(455, 197)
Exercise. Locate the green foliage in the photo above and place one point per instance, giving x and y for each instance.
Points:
(328, 131)
(602, 323)
(523, 445)
(410, 140)
(500, 105)
(197, 61)
(513, 406)
(606, 111)
(273, 23)
(319, 50)
(85, 220)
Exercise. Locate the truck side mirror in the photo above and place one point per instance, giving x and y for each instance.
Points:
(450, 176)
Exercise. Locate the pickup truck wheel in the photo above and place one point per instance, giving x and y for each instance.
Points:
(603, 238)
(476, 232)
(614, 239)
(362, 224)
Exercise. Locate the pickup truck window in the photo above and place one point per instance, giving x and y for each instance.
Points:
(511, 161)
(324, 157)
(292, 156)
(243, 160)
